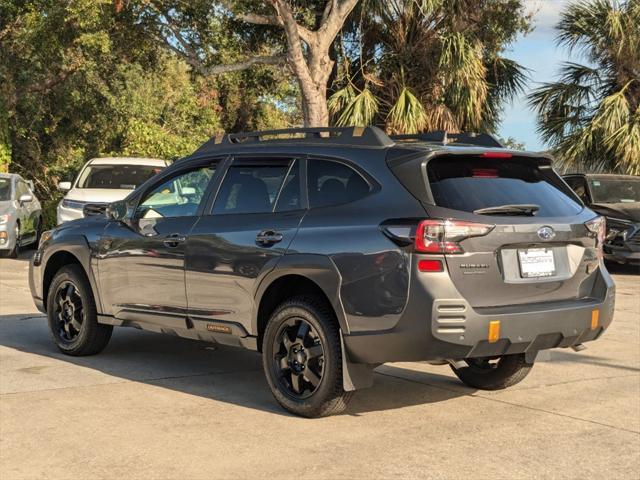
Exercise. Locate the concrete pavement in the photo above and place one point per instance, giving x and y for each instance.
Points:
(153, 406)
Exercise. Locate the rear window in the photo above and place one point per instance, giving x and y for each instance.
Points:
(470, 184)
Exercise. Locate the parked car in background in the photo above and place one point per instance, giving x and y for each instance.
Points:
(20, 214)
(334, 250)
(102, 181)
(617, 198)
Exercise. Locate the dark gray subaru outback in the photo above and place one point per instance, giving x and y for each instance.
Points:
(332, 251)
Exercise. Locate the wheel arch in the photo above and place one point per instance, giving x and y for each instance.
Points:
(72, 253)
(298, 275)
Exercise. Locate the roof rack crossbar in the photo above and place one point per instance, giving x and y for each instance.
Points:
(354, 136)
(446, 138)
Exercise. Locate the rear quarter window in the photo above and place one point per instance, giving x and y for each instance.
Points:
(472, 183)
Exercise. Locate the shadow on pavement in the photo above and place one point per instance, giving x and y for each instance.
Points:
(197, 368)
(560, 356)
(623, 269)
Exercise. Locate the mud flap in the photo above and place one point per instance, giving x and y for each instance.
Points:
(355, 376)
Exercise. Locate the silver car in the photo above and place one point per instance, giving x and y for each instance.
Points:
(20, 214)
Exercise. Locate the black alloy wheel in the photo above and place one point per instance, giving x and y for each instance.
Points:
(302, 357)
(298, 358)
(72, 315)
(69, 311)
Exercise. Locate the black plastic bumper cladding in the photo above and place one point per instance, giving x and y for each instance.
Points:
(422, 335)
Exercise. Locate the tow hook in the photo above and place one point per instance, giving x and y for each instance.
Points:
(578, 347)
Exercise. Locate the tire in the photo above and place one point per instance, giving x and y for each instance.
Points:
(71, 313)
(314, 358)
(504, 372)
(15, 251)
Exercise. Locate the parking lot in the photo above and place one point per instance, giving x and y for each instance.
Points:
(153, 406)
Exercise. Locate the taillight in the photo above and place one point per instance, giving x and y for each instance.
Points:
(598, 226)
(442, 236)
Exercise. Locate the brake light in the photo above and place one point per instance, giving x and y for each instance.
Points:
(430, 266)
(598, 226)
(496, 155)
(442, 236)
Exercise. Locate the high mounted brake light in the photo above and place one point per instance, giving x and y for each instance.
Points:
(496, 155)
(442, 236)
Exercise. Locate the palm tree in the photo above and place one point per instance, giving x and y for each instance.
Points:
(418, 65)
(591, 114)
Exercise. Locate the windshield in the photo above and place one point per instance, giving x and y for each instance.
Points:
(126, 177)
(5, 189)
(615, 190)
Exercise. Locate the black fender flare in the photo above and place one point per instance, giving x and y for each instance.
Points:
(78, 246)
(321, 270)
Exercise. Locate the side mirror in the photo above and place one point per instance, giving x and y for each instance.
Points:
(118, 211)
(26, 198)
(188, 191)
(64, 186)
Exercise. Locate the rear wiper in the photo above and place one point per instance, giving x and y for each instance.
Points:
(516, 209)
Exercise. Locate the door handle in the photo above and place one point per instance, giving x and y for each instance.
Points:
(268, 237)
(173, 240)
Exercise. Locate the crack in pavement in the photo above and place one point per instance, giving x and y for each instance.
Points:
(526, 407)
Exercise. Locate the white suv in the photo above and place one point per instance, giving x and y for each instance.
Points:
(102, 181)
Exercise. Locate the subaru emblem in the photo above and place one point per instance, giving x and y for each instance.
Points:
(546, 233)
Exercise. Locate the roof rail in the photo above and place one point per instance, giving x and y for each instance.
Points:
(446, 138)
(349, 136)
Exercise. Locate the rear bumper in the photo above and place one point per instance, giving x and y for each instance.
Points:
(447, 327)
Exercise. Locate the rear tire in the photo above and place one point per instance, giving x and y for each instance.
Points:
(71, 312)
(488, 374)
(302, 358)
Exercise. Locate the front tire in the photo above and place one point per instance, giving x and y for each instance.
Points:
(494, 373)
(72, 316)
(302, 358)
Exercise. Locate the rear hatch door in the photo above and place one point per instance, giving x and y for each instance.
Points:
(538, 249)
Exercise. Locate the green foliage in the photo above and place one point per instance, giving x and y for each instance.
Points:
(82, 78)
(431, 64)
(591, 114)
(512, 143)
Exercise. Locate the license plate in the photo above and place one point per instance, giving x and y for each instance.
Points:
(536, 262)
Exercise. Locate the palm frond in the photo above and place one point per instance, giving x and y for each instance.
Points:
(340, 99)
(360, 111)
(407, 115)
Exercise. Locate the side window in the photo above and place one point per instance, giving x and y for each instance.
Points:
(579, 185)
(250, 187)
(179, 196)
(333, 183)
(289, 196)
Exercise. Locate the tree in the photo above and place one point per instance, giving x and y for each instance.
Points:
(309, 33)
(591, 114)
(416, 65)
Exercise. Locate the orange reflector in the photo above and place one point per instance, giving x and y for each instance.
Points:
(494, 331)
(595, 315)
